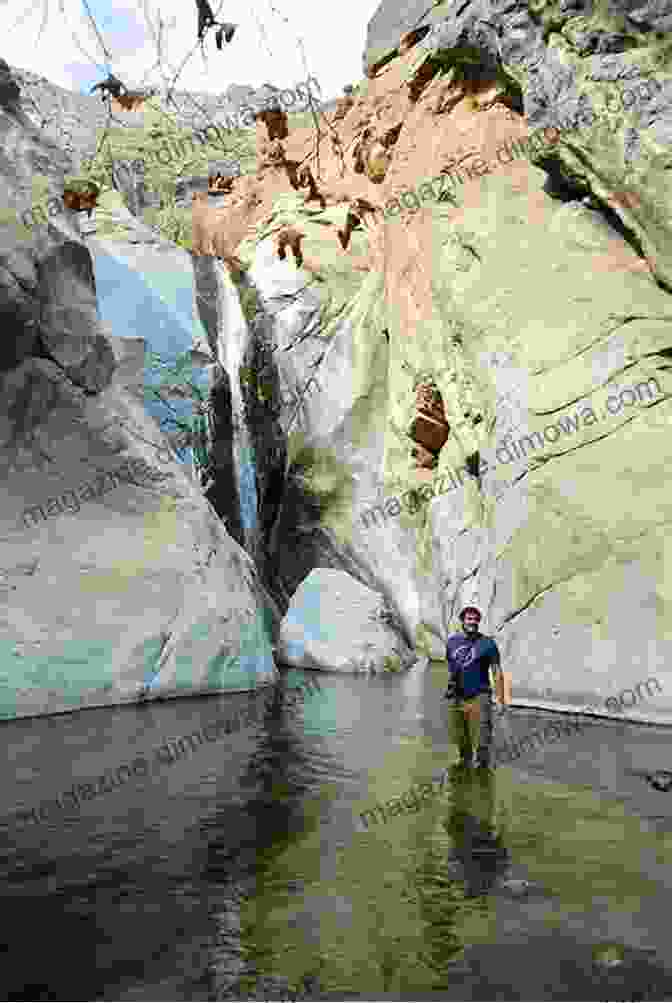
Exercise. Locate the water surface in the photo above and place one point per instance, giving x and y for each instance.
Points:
(248, 857)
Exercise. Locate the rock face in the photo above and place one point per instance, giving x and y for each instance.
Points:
(390, 23)
(612, 94)
(343, 106)
(185, 188)
(337, 624)
(457, 389)
(275, 120)
(128, 177)
(117, 579)
(228, 168)
(250, 454)
(527, 286)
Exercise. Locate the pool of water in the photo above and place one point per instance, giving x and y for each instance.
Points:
(258, 855)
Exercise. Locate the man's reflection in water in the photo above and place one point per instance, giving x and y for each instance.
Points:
(478, 856)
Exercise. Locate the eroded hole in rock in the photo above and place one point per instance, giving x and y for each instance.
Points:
(427, 72)
(389, 139)
(429, 428)
(353, 221)
(276, 122)
(557, 184)
(81, 197)
(472, 463)
(513, 99)
(218, 183)
(344, 104)
(372, 154)
(359, 151)
(290, 235)
(412, 38)
(376, 67)
(131, 101)
(272, 155)
(305, 179)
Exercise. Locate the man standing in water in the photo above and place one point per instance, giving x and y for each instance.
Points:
(470, 656)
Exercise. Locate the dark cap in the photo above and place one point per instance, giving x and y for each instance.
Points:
(470, 609)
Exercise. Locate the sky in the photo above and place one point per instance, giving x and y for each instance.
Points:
(265, 48)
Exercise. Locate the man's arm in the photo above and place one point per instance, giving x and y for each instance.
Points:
(502, 696)
(451, 691)
(498, 682)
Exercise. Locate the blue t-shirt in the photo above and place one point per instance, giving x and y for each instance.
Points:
(469, 660)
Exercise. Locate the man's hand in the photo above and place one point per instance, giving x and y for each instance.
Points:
(451, 692)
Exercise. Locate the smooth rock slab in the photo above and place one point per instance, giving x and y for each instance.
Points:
(334, 623)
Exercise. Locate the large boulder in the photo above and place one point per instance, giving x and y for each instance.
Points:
(336, 624)
(70, 322)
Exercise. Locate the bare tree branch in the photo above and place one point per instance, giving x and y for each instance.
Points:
(44, 19)
(79, 45)
(22, 17)
(95, 28)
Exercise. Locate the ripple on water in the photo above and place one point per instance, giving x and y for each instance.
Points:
(247, 860)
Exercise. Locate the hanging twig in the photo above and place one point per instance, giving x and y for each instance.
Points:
(105, 69)
(44, 19)
(95, 28)
(29, 9)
